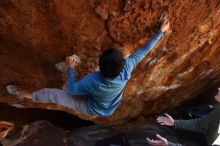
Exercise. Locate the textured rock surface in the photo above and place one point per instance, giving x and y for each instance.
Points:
(17, 117)
(5, 127)
(135, 132)
(43, 133)
(34, 35)
(39, 133)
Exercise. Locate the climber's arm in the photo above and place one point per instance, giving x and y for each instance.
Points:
(73, 87)
(76, 88)
(134, 59)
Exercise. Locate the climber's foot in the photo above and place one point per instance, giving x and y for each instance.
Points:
(15, 91)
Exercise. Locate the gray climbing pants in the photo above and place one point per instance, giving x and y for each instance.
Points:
(61, 97)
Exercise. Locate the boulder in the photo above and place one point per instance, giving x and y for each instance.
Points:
(38, 133)
(35, 35)
(43, 133)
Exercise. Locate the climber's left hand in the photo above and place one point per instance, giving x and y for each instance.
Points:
(70, 61)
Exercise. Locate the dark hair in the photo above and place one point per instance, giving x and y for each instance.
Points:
(111, 63)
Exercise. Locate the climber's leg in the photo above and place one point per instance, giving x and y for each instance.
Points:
(61, 97)
(57, 96)
(25, 94)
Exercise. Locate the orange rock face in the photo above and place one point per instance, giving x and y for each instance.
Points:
(5, 128)
(35, 35)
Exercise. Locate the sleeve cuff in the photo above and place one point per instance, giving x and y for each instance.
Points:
(70, 68)
(160, 32)
(176, 124)
(172, 144)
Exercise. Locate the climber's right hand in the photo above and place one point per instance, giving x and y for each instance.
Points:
(70, 61)
(165, 26)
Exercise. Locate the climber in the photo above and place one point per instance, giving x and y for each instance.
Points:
(100, 92)
(209, 124)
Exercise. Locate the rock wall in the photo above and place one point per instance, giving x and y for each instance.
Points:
(36, 34)
(44, 133)
(39, 133)
(5, 128)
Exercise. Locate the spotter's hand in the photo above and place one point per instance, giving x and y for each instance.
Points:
(165, 120)
(160, 142)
